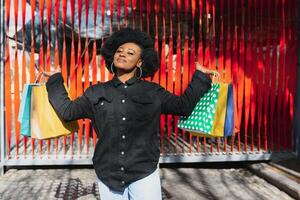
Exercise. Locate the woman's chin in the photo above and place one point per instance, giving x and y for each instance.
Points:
(125, 69)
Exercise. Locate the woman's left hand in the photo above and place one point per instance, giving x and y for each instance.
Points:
(204, 69)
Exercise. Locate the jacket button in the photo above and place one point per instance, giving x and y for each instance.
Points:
(122, 168)
(122, 152)
(124, 118)
(123, 182)
(123, 137)
(123, 100)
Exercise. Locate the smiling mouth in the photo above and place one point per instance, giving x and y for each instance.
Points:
(121, 60)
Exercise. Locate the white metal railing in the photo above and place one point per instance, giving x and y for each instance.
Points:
(2, 59)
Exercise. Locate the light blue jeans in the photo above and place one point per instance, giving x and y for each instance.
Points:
(147, 188)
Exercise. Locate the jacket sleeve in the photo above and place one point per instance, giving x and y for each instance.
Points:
(183, 105)
(67, 109)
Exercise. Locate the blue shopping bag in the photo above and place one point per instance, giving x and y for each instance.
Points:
(24, 111)
(229, 119)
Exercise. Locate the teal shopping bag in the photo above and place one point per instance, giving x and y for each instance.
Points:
(24, 111)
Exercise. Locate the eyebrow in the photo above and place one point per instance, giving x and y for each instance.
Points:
(132, 50)
(128, 49)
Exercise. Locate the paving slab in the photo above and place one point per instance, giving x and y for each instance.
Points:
(283, 171)
(177, 184)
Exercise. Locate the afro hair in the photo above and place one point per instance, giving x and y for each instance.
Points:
(149, 55)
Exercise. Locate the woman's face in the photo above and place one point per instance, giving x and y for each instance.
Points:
(128, 56)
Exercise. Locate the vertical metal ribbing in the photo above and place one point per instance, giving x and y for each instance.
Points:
(297, 102)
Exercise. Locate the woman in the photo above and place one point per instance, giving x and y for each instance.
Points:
(125, 113)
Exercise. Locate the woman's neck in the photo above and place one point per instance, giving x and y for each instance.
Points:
(123, 76)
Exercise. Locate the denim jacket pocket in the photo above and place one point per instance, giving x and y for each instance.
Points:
(103, 110)
(143, 106)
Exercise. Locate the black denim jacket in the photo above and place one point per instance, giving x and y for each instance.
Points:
(126, 119)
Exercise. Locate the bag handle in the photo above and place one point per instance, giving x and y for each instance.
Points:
(216, 77)
(39, 76)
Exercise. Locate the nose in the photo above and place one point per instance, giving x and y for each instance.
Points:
(121, 54)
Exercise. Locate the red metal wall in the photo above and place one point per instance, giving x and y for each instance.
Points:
(252, 44)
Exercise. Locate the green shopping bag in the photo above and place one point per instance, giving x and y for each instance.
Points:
(208, 116)
(202, 117)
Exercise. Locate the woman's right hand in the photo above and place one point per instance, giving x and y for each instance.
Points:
(204, 69)
(50, 73)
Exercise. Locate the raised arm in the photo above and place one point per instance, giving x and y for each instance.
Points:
(184, 104)
(67, 109)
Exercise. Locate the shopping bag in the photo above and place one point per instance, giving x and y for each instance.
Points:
(202, 117)
(208, 117)
(24, 111)
(229, 120)
(220, 115)
(44, 121)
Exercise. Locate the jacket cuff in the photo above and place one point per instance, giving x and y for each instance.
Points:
(203, 77)
(57, 77)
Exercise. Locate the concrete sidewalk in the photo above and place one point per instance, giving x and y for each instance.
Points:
(192, 182)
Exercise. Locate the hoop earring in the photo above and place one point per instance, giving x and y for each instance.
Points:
(141, 72)
(112, 68)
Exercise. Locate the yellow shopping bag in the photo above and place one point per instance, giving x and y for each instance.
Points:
(220, 114)
(44, 121)
(219, 122)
